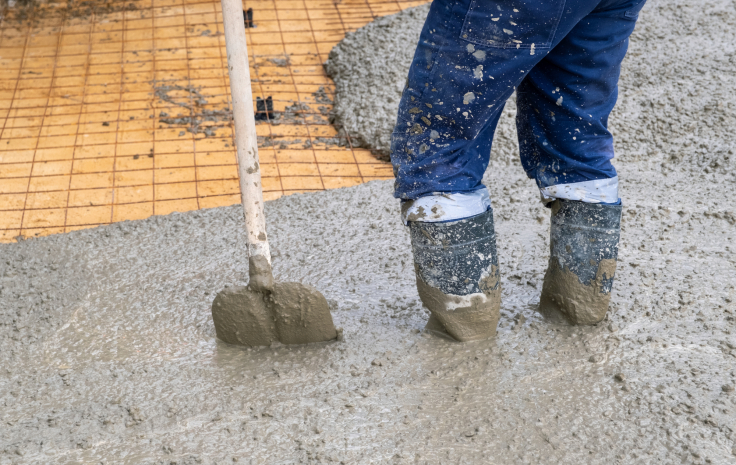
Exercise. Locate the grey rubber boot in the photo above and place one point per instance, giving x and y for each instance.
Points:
(583, 250)
(456, 267)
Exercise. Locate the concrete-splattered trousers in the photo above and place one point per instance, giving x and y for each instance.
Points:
(563, 59)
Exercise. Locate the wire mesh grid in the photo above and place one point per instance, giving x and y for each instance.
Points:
(120, 111)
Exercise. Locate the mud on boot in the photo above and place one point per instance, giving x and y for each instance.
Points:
(456, 267)
(583, 250)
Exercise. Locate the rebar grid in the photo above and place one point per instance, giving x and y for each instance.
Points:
(82, 96)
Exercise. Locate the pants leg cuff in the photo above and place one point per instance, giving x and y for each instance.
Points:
(596, 191)
(439, 207)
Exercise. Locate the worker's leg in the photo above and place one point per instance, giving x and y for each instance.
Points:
(563, 108)
(564, 103)
(471, 56)
(457, 275)
(460, 78)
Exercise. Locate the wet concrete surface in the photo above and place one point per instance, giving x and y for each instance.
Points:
(109, 351)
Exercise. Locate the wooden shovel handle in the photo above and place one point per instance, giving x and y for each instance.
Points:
(246, 141)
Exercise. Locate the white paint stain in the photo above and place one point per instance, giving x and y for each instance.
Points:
(559, 101)
(531, 51)
(478, 72)
(469, 97)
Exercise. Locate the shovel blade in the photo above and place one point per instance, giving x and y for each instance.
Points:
(242, 317)
(293, 313)
(301, 314)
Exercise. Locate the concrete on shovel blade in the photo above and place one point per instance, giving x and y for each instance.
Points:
(293, 313)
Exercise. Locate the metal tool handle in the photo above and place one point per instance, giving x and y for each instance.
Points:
(246, 141)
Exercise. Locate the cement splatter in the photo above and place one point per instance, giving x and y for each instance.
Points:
(463, 318)
(579, 303)
(21, 13)
(197, 118)
(281, 62)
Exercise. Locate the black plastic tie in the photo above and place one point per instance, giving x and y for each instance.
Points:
(248, 18)
(264, 108)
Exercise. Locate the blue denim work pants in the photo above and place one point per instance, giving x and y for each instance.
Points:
(563, 59)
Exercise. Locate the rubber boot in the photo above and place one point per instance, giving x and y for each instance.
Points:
(456, 267)
(583, 250)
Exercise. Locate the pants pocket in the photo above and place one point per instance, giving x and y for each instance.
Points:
(512, 24)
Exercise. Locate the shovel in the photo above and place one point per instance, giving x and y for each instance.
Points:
(264, 311)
